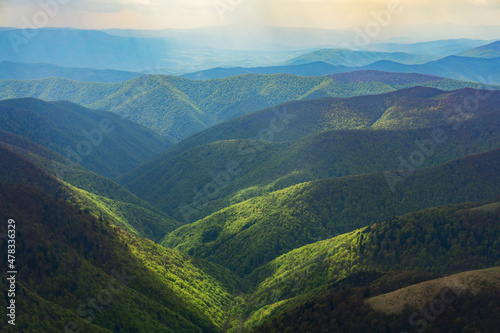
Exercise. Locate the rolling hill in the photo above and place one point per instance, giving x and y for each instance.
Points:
(467, 306)
(466, 68)
(314, 68)
(442, 48)
(342, 57)
(99, 195)
(102, 142)
(249, 234)
(179, 107)
(319, 139)
(417, 296)
(66, 259)
(434, 240)
(22, 71)
(485, 70)
(83, 48)
(485, 51)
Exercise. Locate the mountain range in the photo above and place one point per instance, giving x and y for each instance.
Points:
(284, 184)
(23, 71)
(179, 107)
(475, 69)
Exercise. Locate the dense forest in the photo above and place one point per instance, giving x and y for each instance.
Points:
(250, 199)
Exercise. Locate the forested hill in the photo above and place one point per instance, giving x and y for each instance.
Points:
(102, 142)
(179, 107)
(249, 234)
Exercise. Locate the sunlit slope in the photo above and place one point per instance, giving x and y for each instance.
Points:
(99, 195)
(67, 258)
(249, 234)
(209, 177)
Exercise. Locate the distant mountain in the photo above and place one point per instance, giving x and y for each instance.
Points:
(342, 57)
(21, 71)
(317, 68)
(137, 51)
(250, 234)
(83, 49)
(486, 51)
(439, 47)
(100, 141)
(393, 79)
(485, 70)
(180, 107)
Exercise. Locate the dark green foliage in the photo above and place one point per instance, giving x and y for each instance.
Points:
(112, 145)
(169, 180)
(345, 311)
(445, 240)
(65, 257)
(258, 230)
(101, 196)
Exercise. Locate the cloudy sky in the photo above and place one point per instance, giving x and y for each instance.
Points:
(160, 14)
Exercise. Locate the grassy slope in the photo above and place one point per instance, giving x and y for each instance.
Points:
(249, 234)
(114, 148)
(421, 294)
(180, 107)
(342, 307)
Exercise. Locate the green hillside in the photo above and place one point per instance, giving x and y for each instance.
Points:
(66, 257)
(249, 234)
(99, 141)
(445, 240)
(473, 309)
(99, 195)
(172, 181)
(180, 107)
(403, 109)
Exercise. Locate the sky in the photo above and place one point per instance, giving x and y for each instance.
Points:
(181, 14)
